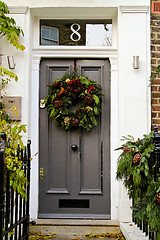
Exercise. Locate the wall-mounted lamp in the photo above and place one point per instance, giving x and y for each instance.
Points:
(136, 62)
(11, 62)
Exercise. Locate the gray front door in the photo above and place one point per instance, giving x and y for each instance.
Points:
(76, 184)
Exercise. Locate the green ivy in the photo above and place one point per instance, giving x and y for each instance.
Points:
(14, 133)
(154, 75)
(8, 27)
(14, 130)
(138, 178)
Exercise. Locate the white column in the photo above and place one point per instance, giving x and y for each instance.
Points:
(134, 32)
(134, 36)
(114, 136)
(34, 134)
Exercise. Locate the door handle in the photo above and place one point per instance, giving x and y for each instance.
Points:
(42, 103)
(41, 173)
(74, 147)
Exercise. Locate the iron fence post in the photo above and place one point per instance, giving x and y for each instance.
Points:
(156, 140)
(2, 163)
(28, 187)
(1, 191)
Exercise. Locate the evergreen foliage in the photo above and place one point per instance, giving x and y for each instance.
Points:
(139, 178)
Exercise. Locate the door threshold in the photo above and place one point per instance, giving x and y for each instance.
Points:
(74, 216)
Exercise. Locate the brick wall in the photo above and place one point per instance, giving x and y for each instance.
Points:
(155, 61)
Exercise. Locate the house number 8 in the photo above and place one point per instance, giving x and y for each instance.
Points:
(75, 32)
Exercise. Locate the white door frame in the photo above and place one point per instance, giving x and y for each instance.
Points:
(72, 52)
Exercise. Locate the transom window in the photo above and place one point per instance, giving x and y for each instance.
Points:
(76, 32)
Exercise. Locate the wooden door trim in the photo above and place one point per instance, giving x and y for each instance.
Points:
(38, 54)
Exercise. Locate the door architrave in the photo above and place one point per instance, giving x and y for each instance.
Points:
(73, 52)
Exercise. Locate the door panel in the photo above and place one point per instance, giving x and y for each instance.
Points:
(89, 166)
(76, 183)
(58, 160)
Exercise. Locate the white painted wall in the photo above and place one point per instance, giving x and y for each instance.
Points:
(130, 96)
(21, 87)
(73, 3)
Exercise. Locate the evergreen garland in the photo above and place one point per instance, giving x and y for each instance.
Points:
(136, 168)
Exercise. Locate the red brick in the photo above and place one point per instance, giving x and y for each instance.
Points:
(156, 121)
(154, 88)
(154, 115)
(153, 23)
(156, 81)
(153, 48)
(154, 41)
(153, 61)
(154, 101)
(154, 35)
(156, 108)
(155, 17)
(156, 95)
(157, 23)
(153, 68)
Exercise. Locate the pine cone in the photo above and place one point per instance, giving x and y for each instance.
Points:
(79, 89)
(89, 99)
(75, 122)
(68, 88)
(73, 95)
(58, 103)
(137, 158)
(158, 198)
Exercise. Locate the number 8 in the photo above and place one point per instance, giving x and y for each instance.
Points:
(75, 32)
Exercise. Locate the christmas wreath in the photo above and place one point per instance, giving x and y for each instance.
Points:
(74, 102)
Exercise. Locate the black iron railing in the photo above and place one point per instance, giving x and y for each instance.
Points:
(14, 210)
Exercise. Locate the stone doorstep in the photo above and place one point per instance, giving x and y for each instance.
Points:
(76, 222)
(65, 226)
(132, 232)
(68, 226)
